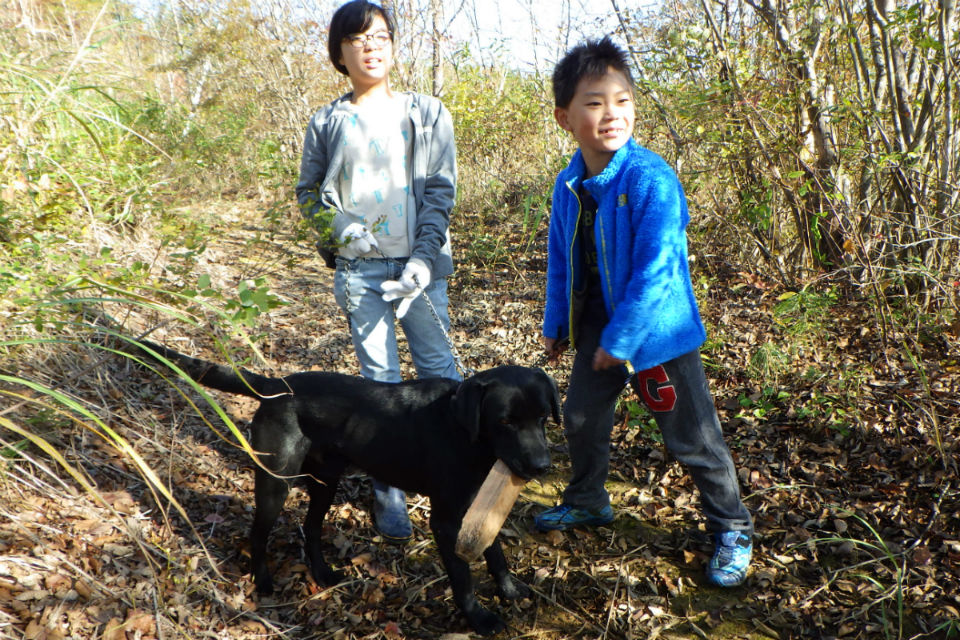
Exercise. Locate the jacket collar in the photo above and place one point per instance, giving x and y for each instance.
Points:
(599, 183)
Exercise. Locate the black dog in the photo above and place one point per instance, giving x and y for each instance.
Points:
(435, 437)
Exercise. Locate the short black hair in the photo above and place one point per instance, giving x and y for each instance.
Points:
(355, 16)
(588, 60)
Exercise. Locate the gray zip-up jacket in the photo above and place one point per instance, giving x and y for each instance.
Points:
(434, 177)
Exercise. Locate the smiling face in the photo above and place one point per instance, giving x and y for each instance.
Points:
(368, 66)
(600, 117)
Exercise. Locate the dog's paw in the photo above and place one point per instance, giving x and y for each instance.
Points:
(264, 585)
(512, 589)
(486, 622)
(326, 576)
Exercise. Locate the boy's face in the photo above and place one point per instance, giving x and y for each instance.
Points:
(368, 56)
(600, 117)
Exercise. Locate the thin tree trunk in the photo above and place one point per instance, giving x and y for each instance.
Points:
(436, 12)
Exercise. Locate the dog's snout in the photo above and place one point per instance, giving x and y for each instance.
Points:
(541, 468)
(529, 467)
(540, 464)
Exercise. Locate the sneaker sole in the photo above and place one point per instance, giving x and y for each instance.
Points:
(716, 583)
(565, 527)
(395, 539)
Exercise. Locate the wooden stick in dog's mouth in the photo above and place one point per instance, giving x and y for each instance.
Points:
(488, 511)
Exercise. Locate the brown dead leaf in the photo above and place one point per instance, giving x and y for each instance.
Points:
(921, 555)
(33, 631)
(253, 626)
(373, 595)
(122, 501)
(57, 582)
(113, 630)
(83, 588)
(141, 622)
(555, 538)
(392, 631)
(361, 559)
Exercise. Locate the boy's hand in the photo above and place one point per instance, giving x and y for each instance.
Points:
(603, 360)
(554, 347)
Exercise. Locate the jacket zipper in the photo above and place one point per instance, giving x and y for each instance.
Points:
(573, 239)
(605, 273)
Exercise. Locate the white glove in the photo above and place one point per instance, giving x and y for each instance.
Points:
(415, 274)
(356, 240)
(415, 277)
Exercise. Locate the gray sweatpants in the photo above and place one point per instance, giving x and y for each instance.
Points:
(678, 394)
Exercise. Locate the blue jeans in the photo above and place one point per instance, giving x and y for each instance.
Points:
(356, 287)
(682, 405)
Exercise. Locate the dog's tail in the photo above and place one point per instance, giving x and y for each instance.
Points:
(230, 379)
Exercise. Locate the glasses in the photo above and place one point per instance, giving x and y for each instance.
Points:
(379, 40)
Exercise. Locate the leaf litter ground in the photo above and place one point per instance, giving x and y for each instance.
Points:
(847, 460)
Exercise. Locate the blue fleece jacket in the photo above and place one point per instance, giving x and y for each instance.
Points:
(642, 251)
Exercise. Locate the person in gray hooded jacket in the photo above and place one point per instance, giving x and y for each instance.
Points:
(378, 179)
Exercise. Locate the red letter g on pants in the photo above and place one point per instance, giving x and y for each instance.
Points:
(660, 396)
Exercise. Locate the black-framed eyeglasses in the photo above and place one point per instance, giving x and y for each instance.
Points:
(379, 40)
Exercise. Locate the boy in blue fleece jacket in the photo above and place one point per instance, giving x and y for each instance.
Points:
(619, 292)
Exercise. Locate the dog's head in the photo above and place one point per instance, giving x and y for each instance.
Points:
(508, 407)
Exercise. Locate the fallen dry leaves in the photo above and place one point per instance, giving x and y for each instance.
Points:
(847, 462)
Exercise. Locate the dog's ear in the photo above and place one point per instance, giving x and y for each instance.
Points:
(467, 403)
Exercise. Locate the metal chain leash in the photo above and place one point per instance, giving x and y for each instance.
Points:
(465, 370)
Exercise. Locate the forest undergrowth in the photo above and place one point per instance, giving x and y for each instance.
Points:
(855, 496)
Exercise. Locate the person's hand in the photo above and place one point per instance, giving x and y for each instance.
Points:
(356, 240)
(554, 347)
(415, 277)
(415, 274)
(603, 360)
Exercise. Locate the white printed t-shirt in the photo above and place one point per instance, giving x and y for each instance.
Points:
(375, 182)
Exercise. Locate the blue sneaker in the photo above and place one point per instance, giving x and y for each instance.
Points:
(565, 516)
(731, 559)
(390, 513)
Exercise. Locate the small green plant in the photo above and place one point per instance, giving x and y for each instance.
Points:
(639, 417)
(831, 410)
(768, 362)
(840, 422)
(319, 217)
(804, 311)
(534, 208)
(759, 405)
(253, 298)
(12, 451)
(488, 250)
(189, 235)
(947, 630)
(885, 573)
